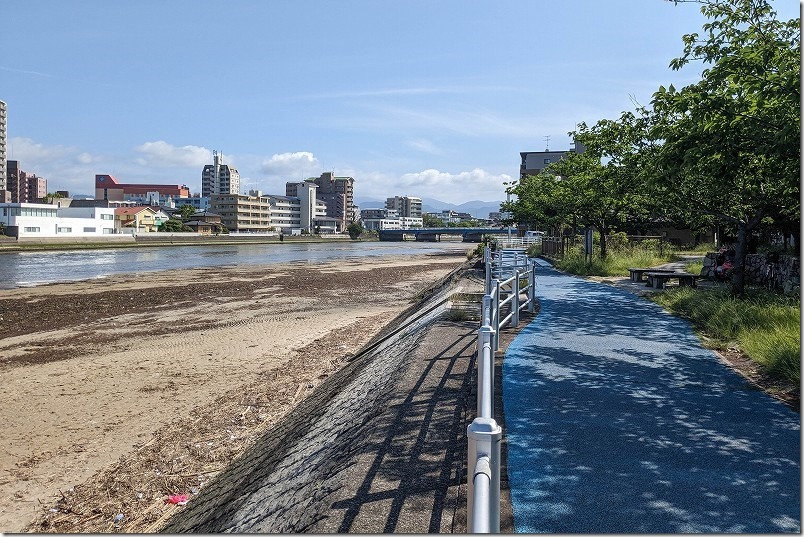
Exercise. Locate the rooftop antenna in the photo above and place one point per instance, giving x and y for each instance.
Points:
(547, 143)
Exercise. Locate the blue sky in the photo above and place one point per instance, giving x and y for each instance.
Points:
(430, 98)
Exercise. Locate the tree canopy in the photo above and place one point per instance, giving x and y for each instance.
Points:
(725, 149)
(731, 142)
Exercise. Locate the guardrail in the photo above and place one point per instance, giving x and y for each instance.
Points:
(509, 275)
(518, 242)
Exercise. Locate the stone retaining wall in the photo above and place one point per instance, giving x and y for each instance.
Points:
(786, 276)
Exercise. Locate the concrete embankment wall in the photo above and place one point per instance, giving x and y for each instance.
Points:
(283, 482)
(157, 239)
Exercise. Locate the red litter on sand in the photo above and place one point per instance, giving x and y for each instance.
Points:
(178, 499)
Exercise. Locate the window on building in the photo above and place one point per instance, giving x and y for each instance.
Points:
(89, 230)
(31, 230)
(64, 230)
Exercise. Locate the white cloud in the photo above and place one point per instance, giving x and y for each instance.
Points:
(290, 165)
(461, 187)
(161, 153)
(26, 150)
(73, 169)
(84, 158)
(476, 180)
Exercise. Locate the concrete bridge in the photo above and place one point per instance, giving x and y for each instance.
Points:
(433, 234)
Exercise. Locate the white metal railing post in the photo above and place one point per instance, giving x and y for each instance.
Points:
(486, 316)
(485, 372)
(532, 290)
(497, 318)
(515, 303)
(481, 516)
(488, 261)
(484, 437)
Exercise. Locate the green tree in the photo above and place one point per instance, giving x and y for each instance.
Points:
(355, 229)
(431, 221)
(601, 187)
(186, 211)
(730, 143)
(539, 203)
(174, 225)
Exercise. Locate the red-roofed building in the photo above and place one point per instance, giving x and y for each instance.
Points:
(108, 188)
(135, 219)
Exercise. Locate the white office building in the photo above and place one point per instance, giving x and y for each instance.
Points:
(384, 219)
(44, 220)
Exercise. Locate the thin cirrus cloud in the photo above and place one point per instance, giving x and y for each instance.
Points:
(403, 92)
(161, 153)
(425, 146)
(471, 123)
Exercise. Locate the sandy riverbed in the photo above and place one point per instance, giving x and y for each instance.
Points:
(120, 391)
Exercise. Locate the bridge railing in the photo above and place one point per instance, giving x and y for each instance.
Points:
(510, 288)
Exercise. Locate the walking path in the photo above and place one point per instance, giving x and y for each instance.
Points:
(617, 420)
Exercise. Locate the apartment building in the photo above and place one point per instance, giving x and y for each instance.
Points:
(448, 216)
(243, 213)
(338, 195)
(406, 206)
(44, 220)
(3, 144)
(24, 187)
(533, 162)
(219, 178)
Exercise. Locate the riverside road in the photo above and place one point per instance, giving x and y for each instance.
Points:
(618, 421)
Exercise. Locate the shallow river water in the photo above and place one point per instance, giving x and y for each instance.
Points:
(25, 269)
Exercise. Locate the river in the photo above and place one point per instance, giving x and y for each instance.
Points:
(28, 269)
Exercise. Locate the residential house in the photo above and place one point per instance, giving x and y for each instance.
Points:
(139, 219)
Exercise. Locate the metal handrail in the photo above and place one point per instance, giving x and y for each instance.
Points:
(484, 434)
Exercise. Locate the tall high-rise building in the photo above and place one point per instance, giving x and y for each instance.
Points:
(338, 193)
(219, 178)
(3, 142)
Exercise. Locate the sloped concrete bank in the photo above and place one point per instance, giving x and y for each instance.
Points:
(291, 478)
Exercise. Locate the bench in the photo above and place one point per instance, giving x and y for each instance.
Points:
(636, 273)
(659, 279)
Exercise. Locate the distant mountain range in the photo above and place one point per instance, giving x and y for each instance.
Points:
(478, 209)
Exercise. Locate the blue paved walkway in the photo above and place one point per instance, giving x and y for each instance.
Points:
(619, 421)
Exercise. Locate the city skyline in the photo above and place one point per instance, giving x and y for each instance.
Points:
(434, 100)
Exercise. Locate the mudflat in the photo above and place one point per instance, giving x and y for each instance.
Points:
(120, 392)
